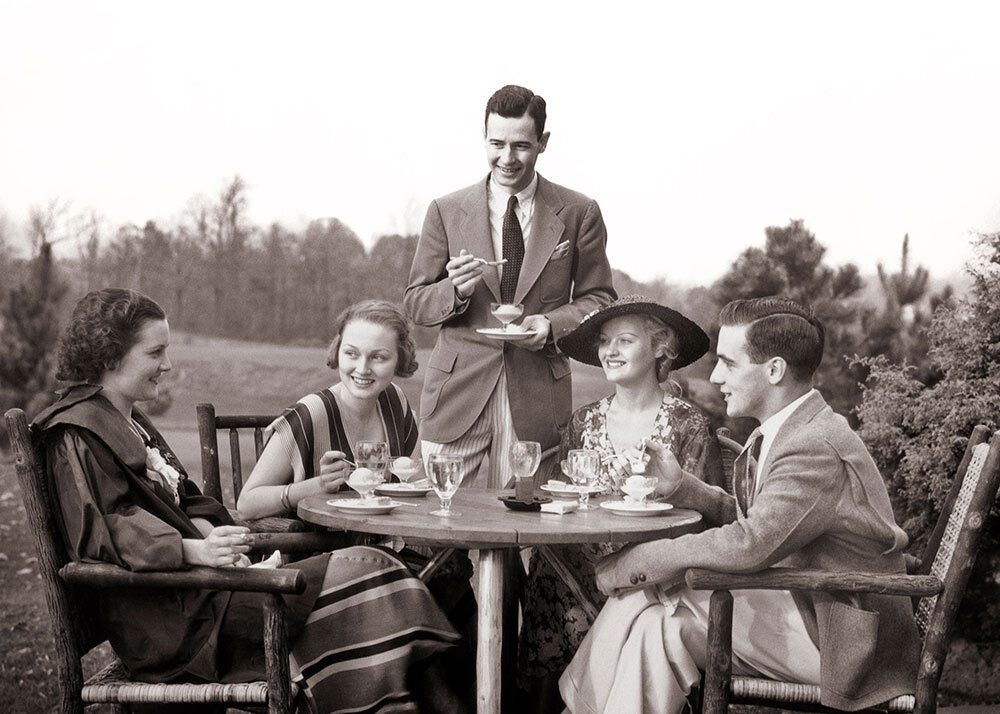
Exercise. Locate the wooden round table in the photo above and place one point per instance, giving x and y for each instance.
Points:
(483, 523)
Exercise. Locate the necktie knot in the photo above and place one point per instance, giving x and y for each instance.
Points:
(754, 442)
(746, 471)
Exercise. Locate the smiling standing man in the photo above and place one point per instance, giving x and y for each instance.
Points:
(481, 394)
(807, 495)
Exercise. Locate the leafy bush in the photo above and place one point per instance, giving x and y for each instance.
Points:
(917, 434)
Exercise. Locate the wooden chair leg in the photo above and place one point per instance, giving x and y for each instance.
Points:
(720, 653)
(279, 695)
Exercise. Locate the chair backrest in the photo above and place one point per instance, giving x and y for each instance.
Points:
(74, 632)
(208, 425)
(729, 449)
(951, 552)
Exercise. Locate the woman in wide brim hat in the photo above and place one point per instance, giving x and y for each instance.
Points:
(690, 341)
(637, 342)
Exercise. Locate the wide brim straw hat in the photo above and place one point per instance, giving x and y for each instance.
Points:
(581, 343)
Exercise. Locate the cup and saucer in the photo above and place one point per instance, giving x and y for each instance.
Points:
(636, 488)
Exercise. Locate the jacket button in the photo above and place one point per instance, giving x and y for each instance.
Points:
(634, 580)
(642, 577)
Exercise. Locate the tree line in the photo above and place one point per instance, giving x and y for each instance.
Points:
(216, 273)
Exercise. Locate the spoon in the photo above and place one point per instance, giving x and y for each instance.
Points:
(488, 262)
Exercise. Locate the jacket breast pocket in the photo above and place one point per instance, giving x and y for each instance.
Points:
(440, 367)
(555, 280)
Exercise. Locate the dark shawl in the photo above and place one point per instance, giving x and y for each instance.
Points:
(109, 511)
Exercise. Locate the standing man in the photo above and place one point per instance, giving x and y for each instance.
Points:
(807, 495)
(482, 394)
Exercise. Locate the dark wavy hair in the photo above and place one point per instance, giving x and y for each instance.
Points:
(513, 101)
(779, 327)
(104, 327)
(378, 312)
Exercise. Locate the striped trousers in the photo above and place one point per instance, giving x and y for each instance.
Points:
(492, 433)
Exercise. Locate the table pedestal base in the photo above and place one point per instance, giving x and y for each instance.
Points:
(490, 637)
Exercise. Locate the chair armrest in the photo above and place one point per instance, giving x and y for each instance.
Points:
(816, 580)
(305, 542)
(273, 524)
(279, 581)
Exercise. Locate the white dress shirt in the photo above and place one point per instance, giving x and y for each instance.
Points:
(498, 198)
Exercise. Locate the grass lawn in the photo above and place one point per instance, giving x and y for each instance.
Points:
(242, 378)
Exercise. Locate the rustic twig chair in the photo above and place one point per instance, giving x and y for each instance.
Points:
(289, 535)
(729, 449)
(937, 588)
(71, 587)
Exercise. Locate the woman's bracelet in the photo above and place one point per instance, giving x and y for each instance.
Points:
(285, 502)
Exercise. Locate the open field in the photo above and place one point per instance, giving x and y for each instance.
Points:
(240, 377)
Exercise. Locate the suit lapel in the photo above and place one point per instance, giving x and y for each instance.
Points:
(546, 232)
(803, 414)
(477, 236)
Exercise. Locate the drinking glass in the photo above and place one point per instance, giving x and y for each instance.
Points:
(524, 459)
(445, 474)
(506, 312)
(583, 467)
(373, 455)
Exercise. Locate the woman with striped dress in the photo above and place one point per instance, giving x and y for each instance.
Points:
(310, 446)
(363, 636)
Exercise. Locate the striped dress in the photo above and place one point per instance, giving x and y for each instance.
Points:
(315, 425)
(371, 622)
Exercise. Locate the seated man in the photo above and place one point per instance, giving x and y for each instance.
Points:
(815, 501)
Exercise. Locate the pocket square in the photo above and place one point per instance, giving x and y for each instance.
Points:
(560, 251)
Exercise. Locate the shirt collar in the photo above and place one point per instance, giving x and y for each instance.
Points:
(773, 423)
(526, 195)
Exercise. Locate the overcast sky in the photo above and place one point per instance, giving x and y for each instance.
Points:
(694, 125)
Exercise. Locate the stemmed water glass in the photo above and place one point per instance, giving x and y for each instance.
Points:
(506, 313)
(582, 466)
(445, 474)
(374, 456)
(524, 459)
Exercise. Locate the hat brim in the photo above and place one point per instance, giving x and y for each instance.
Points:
(581, 343)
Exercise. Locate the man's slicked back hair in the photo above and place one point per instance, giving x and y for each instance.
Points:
(513, 101)
(779, 327)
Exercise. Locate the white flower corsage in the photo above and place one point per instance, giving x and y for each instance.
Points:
(158, 469)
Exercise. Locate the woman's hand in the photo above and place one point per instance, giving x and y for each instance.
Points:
(223, 546)
(663, 466)
(333, 470)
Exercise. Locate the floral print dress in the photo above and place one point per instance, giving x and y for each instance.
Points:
(554, 623)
